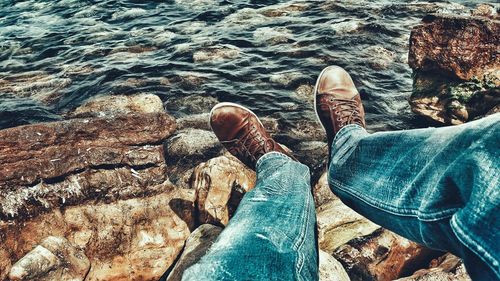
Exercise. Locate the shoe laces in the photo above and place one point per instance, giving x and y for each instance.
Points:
(252, 144)
(346, 111)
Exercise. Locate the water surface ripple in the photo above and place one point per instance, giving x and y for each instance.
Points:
(55, 55)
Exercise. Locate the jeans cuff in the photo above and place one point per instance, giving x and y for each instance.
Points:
(271, 155)
(347, 129)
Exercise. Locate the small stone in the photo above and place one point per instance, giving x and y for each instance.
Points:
(485, 10)
(192, 143)
(348, 26)
(305, 92)
(330, 269)
(194, 104)
(286, 79)
(196, 247)
(379, 57)
(445, 268)
(216, 54)
(272, 35)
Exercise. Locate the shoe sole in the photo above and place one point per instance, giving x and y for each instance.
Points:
(316, 94)
(219, 105)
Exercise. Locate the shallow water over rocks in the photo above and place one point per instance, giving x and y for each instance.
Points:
(55, 55)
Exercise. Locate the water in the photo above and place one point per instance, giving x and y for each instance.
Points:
(55, 55)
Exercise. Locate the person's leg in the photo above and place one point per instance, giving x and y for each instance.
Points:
(437, 186)
(272, 234)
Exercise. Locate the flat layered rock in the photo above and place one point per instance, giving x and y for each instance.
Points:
(119, 105)
(32, 153)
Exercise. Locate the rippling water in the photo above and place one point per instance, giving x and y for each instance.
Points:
(54, 55)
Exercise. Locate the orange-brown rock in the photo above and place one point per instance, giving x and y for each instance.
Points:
(461, 46)
(382, 255)
(134, 239)
(445, 268)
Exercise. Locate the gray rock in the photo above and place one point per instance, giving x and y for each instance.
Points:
(196, 247)
(196, 121)
(192, 104)
(192, 143)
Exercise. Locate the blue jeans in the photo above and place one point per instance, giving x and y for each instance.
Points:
(439, 187)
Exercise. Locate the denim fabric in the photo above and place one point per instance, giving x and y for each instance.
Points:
(272, 234)
(437, 186)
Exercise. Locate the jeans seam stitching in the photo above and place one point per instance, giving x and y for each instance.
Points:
(389, 209)
(473, 245)
(301, 239)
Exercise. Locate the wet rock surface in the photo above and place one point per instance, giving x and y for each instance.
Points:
(456, 66)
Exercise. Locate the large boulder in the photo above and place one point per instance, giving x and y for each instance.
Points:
(49, 165)
(220, 184)
(134, 239)
(456, 66)
(461, 46)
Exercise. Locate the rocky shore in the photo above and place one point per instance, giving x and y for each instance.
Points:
(121, 190)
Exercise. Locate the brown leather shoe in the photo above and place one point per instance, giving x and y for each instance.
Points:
(242, 133)
(337, 102)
